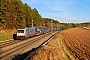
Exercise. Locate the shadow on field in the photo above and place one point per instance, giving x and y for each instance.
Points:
(23, 56)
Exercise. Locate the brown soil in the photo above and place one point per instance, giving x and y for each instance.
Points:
(77, 41)
(51, 51)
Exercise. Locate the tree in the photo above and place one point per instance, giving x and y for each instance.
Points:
(28, 15)
(36, 17)
(19, 10)
(10, 16)
(3, 12)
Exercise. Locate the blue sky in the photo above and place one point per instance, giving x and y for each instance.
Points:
(65, 11)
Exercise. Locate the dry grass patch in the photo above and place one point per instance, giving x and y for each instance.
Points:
(51, 51)
(6, 34)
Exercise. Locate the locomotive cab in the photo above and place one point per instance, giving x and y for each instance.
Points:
(21, 34)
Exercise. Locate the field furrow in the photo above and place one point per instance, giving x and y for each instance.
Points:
(77, 40)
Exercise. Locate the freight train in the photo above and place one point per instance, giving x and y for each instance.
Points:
(33, 31)
(30, 32)
(57, 28)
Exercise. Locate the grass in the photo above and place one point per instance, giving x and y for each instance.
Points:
(6, 35)
(65, 51)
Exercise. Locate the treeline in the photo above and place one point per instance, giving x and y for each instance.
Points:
(14, 14)
(73, 25)
(85, 24)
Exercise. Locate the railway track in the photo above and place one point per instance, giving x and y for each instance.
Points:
(9, 43)
(15, 41)
(29, 54)
(13, 49)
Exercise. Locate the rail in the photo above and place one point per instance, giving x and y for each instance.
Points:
(9, 52)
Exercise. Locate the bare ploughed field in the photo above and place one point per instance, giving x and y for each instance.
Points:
(77, 40)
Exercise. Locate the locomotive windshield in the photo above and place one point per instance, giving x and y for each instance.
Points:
(20, 31)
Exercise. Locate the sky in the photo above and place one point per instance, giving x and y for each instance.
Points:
(65, 11)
